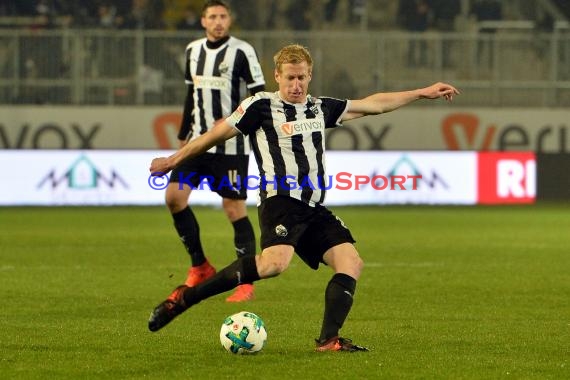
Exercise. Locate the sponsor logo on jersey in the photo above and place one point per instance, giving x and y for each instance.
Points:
(223, 68)
(299, 127)
(214, 83)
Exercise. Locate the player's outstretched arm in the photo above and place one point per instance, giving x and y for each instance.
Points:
(383, 102)
(220, 133)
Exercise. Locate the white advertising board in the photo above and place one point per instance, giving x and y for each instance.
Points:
(72, 177)
(104, 177)
(427, 177)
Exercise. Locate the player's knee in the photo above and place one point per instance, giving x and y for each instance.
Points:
(271, 265)
(234, 209)
(173, 205)
(358, 265)
(280, 267)
(231, 213)
(175, 202)
(272, 269)
(351, 264)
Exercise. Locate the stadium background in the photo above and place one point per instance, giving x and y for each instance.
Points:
(108, 74)
(448, 292)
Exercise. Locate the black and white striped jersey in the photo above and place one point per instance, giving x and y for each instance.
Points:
(288, 141)
(219, 77)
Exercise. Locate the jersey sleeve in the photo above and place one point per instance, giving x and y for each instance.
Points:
(187, 72)
(250, 68)
(186, 123)
(333, 110)
(246, 118)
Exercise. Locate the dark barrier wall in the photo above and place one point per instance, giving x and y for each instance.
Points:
(553, 176)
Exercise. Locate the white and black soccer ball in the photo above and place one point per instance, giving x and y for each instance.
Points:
(243, 333)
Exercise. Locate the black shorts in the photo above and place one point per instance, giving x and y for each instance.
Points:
(223, 174)
(311, 230)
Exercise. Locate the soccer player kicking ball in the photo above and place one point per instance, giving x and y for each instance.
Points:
(291, 220)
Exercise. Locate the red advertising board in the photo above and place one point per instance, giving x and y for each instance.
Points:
(506, 177)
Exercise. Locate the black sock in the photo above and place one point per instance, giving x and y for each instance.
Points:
(338, 301)
(244, 237)
(189, 231)
(241, 271)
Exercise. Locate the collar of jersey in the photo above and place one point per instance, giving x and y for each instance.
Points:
(307, 100)
(216, 44)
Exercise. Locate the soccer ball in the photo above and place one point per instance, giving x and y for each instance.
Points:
(243, 333)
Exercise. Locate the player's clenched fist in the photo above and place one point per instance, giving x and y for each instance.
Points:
(160, 166)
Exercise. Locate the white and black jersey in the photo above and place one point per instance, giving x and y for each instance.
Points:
(288, 141)
(217, 74)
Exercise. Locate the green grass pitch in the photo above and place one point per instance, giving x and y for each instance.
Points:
(446, 293)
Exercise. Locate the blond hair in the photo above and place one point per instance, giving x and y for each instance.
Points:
(293, 53)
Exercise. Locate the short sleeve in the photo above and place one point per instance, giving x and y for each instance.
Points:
(250, 67)
(246, 117)
(333, 110)
(187, 73)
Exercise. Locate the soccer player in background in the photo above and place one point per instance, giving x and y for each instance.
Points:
(287, 130)
(216, 67)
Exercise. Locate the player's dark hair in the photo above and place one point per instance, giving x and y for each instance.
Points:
(215, 3)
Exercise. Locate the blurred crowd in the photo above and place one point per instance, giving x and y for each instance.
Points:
(414, 15)
(409, 15)
(117, 14)
(157, 63)
(173, 14)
